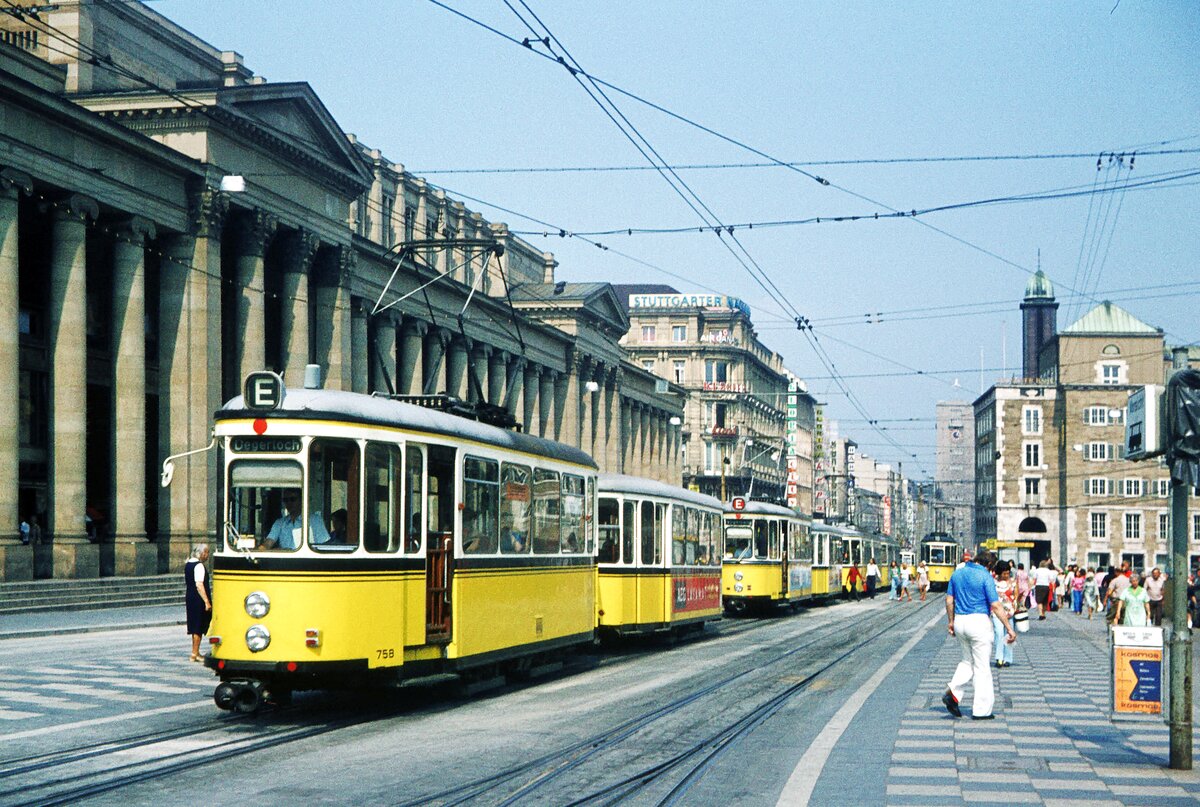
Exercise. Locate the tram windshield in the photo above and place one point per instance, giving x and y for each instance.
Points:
(265, 506)
(937, 554)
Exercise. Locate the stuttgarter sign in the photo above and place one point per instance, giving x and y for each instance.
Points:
(671, 301)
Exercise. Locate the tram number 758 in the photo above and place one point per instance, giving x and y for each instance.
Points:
(385, 653)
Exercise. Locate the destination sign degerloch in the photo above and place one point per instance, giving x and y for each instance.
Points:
(265, 445)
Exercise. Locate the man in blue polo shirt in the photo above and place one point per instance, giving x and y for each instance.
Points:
(970, 598)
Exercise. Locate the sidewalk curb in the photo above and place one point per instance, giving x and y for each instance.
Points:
(33, 634)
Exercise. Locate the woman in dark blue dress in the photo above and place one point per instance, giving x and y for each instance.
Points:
(198, 598)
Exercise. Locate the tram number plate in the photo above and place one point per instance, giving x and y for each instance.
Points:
(387, 652)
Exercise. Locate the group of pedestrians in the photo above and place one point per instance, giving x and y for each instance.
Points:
(903, 576)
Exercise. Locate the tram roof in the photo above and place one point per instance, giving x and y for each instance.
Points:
(939, 538)
(623, 483)
(355, 407)
(765, 509)
(835, 529)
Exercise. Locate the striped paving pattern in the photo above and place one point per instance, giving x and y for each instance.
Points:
(1051, 742)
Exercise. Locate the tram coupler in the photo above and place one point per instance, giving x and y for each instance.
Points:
(242, 696)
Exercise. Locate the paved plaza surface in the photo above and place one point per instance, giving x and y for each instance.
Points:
(869, 731)
(1052, 741)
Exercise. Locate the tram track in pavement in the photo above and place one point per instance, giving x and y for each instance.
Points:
(536, 775)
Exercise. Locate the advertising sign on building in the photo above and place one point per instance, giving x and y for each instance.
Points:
(677, 301)
(724, 386)
(719, 337)
(887, 515)
(792, 435)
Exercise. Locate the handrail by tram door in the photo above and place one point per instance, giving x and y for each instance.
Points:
(439, 570)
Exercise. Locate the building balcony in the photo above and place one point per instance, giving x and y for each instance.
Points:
(724, 432)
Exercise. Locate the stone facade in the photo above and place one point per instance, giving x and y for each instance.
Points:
(140, 284)
(955, 497)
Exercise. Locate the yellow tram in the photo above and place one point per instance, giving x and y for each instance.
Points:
(941, 554)
(768, 557)
(827, 559)
(659, 557)
(371, 540)
(858, 550)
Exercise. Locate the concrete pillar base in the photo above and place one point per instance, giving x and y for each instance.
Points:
(173, 553)
(16, 562)
(75, 561)
(128, 558)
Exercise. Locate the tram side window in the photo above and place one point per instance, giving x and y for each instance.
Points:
(691, 549)
(705, 555)
(937, 554)
(610, 531)
(546, 525)
(678, 534)
(574, 527)
(629, 534)
(589, 513)
(651, 535)
(257, 490)
(515, 495)
(333, 479)
(383, 520)
(761, 540)
(414, 494)
(820, 553)
(481, 506)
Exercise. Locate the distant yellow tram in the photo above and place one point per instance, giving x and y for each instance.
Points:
(659, 557)
(768, 557)
(941, 554)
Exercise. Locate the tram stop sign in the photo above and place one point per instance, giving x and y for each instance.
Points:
(738, 504)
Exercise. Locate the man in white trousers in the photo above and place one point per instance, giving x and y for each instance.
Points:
(970, 598)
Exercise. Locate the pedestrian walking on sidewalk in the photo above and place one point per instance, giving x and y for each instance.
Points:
(852, 578)
(1007, 592)
(922, 579)
(197, 597)
(872, 578)
(1116, 590)
(1090, 593)
(894, 578)
(1133, 607)
(970, 599)
(1077, 583)
(906, 576)
(1043, 578)
(1023, 587)
(1155, 584)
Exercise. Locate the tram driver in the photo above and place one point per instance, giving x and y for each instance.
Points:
(287, 531)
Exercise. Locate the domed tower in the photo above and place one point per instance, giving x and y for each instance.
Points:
(1039, 312)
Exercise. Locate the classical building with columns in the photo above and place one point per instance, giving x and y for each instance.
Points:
(747, 417)
(169, 222)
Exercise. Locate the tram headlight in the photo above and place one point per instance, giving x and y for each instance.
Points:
(258, 638)
(258, 604)
(737, 575)
(737, 587)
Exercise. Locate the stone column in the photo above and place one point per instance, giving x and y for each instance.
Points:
(456, 367)
(546, 399)
(189, 351)
(569, 397)
(514, 388)
(335, 351)
(497, 377)
(16, 561)
(254, 231)
(625, 432)
(360, 348)
(588, 370)
(74, 556)
(301, 248)
(383, 352)
(412, 345)
(133, 555)
(612, 420)
(530, 386)
(433, 378)
(478, 371)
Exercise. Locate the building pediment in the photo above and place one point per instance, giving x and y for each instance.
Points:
(596, 302)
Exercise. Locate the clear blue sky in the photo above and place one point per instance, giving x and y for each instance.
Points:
(802, 81)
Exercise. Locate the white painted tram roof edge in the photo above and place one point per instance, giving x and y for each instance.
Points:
(623, 483)
(376, 411)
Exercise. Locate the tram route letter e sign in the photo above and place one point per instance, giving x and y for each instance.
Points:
(263, 391)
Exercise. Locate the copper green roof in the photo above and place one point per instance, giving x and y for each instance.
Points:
(1108, 318)
(1039, 287)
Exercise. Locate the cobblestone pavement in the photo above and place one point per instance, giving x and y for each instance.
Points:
(1051, 742)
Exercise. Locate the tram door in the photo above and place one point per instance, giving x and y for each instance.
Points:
(652, 597)
(439, 547)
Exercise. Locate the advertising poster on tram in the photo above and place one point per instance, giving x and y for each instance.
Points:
(696, 592)
(799, 578)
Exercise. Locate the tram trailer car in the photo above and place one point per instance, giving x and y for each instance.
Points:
(367, 540)
(659, 557)
(858, 549)
(827, 559)
(941, 554)
(768, 558)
